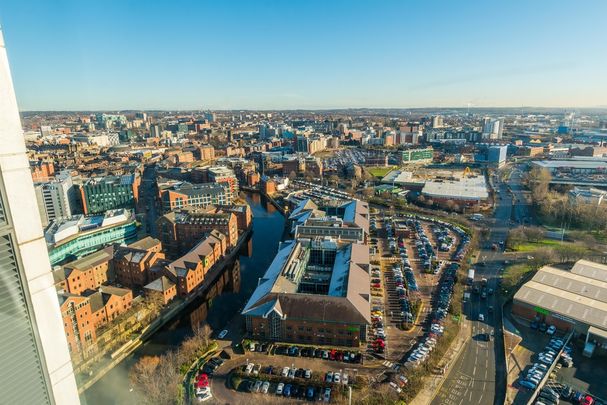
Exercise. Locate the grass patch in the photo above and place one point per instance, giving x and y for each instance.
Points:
(379, 171)
(514, 275)
(531, 246)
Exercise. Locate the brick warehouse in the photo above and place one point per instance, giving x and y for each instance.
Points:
(572, 300)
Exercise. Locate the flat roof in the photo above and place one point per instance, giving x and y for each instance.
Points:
(466, 188)
(576, 164)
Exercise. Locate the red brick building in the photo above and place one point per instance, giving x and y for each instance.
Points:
(181, 230)
(132, 266)
(188, 272)
(162, 289)
(78, 323)
(86, 273)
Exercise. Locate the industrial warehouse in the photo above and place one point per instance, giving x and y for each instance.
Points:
(571, 300)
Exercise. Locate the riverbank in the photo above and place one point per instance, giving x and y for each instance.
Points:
(168, 314)
(218, 308)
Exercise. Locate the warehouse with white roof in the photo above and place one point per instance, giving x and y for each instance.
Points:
(571, 300)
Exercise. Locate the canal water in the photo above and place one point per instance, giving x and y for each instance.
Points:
(233, 289)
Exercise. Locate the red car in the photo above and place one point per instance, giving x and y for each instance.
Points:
(202, 381)
(587, 400)
(379, 343)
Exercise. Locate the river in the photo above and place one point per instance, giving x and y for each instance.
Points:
(234, 289)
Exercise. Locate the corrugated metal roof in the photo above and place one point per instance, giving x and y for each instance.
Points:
(574, 296)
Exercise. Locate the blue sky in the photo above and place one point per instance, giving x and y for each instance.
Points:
(305, 54)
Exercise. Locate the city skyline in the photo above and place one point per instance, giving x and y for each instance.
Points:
(271, 55)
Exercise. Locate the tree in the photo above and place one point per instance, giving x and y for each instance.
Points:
(292, 175)
(334, 179)
(368, 192)
(542, 257)
(516, 237)
(539, 180)
(156, 379)
(449, 204)
(534, 233)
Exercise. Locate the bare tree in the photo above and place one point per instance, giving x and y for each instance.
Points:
(539, 179)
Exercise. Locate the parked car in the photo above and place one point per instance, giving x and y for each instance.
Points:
(337, 378)
(280, 388)
(257, 386)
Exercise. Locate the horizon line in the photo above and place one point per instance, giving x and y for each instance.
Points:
(600, 107)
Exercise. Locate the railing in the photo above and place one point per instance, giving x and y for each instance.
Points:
(548, 372)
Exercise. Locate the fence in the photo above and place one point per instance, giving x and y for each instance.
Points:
(550, 369)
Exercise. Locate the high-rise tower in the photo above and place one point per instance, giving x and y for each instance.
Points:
(36, 365)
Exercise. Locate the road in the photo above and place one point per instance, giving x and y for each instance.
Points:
(522, 212)
(475, 378)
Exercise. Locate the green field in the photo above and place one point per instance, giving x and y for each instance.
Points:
(379, 171)
(531, 246)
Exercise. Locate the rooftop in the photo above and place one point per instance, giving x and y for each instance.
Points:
(579, 294)
(465, 188)
(316, 274)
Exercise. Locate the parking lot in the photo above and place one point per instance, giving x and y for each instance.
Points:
(572, 384)
(587, 375)
(414, 255)
(267, 378)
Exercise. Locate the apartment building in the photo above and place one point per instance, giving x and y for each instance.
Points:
(195, 195)
(181, 230)
(57, 198)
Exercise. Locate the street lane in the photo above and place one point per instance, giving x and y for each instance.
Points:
(474, 378)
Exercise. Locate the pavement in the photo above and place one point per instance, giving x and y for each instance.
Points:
(435, 381)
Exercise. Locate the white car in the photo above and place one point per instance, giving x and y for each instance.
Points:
(423, 350)
(204, 397)
(249, 368)
(285, 372)
(344, 379)
(308, 373)
(336, 378)
(481, 317)
(265, 387)
(279, 388)
(551, 330)
(222, 334)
